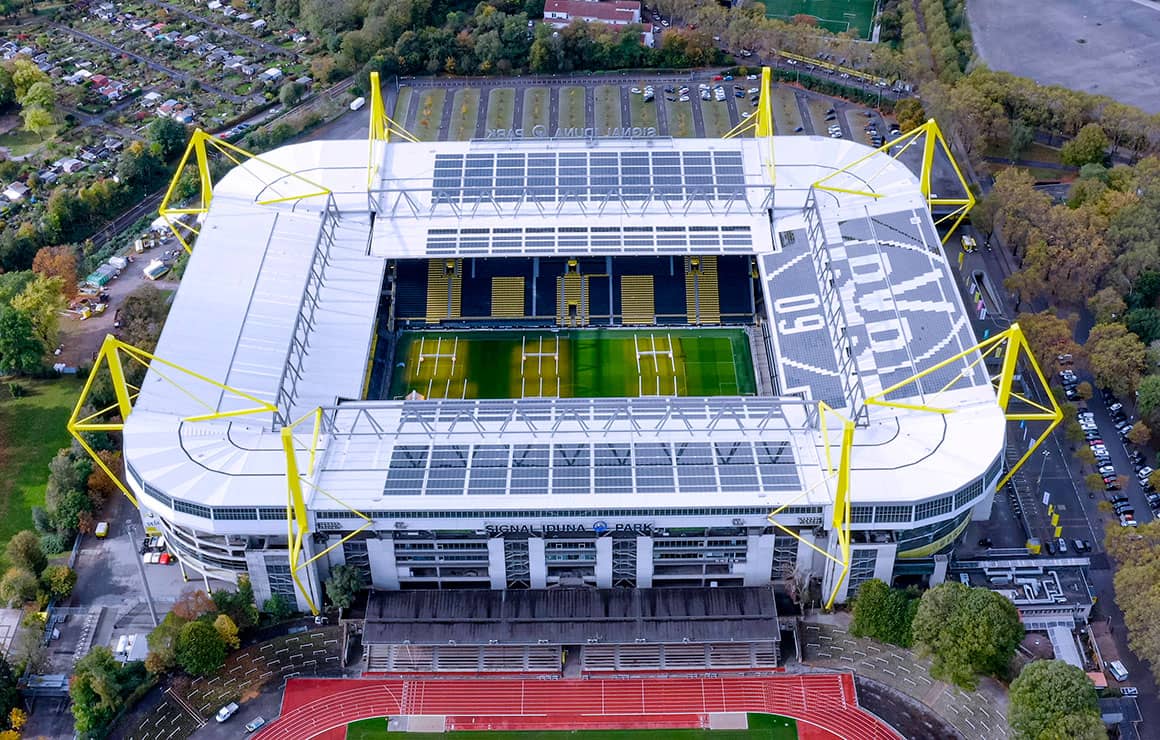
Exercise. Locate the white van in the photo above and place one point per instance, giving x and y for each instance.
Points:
(1118, 671)
(358, 103)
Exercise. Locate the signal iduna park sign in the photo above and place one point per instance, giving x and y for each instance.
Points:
(573, 132)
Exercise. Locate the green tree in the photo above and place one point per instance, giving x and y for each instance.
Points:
(18, 586)
(1075, 727)
(1049, 336)
(1045, 691)
(9, 691)
(909, 113)
(1136, 552)
(228, 631)
(1020, 138)
(200, 649)
(967, 631)
(23, 551)
(1094, 482)
(239, 605)
(1089, 146)
(1107, 305)
(168, 137)
(99, 688)
(1140, 434)
(1116, 357)
(1148, 397)
(884, 614)
(290, 93)
(20, 350)
(25, 74)
(278, 607)
(1144, 323)
(163, 643)
(43, 301)
(37, 120)
(344, 584)
(59, 581)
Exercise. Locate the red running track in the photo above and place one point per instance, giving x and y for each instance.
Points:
(825, 703)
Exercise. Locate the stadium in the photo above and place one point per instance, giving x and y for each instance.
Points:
(605, 393)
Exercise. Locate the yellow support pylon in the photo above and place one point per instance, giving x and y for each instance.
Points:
(931, 139)
(113, 358)
(1012, 343)
(199, 148)
(381, 128)
(761, 123)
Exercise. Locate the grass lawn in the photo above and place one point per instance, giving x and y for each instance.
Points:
(32, 430)
(643, 114)
(1039, 173)
(591, 363)
(20, 142)
(401, 103)
(501, 104)
(680, 119)
(430, 115)
(716, 117)
(761, 727)
(786, 116)
(607, 108)
(464, 113)
(571, 107)
(834, 15)
(536, 101)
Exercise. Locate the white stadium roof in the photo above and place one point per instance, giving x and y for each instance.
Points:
(280, 301)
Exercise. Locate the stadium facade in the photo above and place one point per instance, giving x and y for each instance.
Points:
(300, 302)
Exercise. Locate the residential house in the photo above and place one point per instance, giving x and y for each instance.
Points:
(98, 80)
(155, 30)
(113, 144)
(185, 115)
(273, 74)
(166, 109)
(186, 42)
(69, 165)
(213, 5)
(258, 25)
(139, 25)
(48, 177)
(16, 192)
(560, 13)
(249, 70)
(149, 99)
(244, 17)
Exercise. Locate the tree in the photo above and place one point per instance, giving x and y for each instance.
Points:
(18, 586)
(200, 649)
(967, 631)
(1085, 455)
(9, 689)
(239, 605)
(1094, 482)
(1140, 434)
(278, 607)
(145, 310)
(192, 604)
(1021, 137)
(909, 113)
(228, 631)
(168, 136)
(344, 584)
(1089, 146)
(1144, 323)
(1075, 727)
(1148, 397)
(1045, 691)
(1084, 390)
(1153, 478)
(1107, 305)
(1136, 552)
(290, 93)
(23, 551)
(17, 719)
(1049, 336)
(99, 688)
(20, 350)
(59, 580)
(1116, 357)
(58, 262)
(163, 643)
(43, 301)
(884, 614)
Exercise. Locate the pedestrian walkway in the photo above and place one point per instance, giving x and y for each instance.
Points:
(977, 714)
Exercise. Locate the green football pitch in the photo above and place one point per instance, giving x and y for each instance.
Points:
(761, 727)
(833, 15)
(574, 363)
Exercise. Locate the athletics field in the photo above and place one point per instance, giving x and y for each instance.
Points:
(761, 727)
(575, 363)
(833, 15)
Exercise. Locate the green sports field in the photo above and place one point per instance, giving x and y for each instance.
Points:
(833, 15)
(761, 727)
(585, 363)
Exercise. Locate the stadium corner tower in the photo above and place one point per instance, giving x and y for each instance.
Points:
(545, 363)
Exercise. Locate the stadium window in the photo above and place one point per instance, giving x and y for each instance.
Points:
(892, 514)
(861, 514)
(934, 507)
(226, 513)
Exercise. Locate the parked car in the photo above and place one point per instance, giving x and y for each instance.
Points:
(255, 724)
(227, 711)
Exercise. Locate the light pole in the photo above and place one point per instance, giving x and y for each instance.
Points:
(141, 570)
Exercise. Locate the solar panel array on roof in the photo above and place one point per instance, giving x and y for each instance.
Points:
(577, 240)
(596, 175)
(620, 468)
